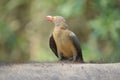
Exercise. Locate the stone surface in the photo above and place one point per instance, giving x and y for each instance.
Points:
(59, 71)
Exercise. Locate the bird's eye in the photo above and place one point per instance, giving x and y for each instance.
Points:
(54, 18)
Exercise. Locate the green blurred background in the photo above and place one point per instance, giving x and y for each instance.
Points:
(24, 32)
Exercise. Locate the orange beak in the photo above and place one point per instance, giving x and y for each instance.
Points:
(49, 18)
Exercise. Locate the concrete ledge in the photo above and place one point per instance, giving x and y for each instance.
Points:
(59, 71)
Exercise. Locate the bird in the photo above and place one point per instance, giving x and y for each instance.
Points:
(63, 42)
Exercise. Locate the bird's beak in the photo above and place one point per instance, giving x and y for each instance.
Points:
(50, 18)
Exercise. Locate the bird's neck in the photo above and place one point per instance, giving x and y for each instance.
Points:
(61, 25)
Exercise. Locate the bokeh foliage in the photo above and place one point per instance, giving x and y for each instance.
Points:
(24, 32)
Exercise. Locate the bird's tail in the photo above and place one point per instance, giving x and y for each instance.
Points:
(79, 57)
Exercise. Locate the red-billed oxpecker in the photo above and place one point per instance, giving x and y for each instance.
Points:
(64, 42)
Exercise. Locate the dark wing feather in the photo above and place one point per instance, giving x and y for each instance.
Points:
(52, 45)
(77, 46)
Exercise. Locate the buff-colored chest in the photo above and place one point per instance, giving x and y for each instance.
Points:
(63, 42)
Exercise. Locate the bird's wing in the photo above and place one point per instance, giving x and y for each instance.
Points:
(76, 43)
(52, 45)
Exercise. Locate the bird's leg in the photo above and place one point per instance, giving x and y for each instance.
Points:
(59, 55)
(74, 56)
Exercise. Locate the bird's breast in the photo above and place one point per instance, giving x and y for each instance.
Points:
(63, 42)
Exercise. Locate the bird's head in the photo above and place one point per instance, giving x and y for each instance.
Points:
(55, 19)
